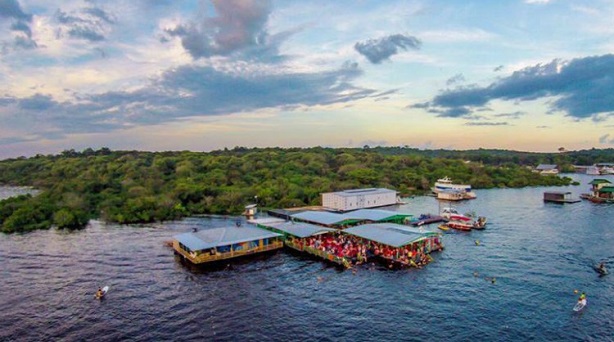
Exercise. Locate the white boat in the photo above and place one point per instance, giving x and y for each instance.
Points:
(445, 185)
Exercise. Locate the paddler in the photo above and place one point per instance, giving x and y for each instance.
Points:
(602, 268)
(99, 293)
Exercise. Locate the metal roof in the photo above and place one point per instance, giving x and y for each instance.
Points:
(375, 214)
(300, 229)
(209, 238)
(360, 192)
(608, 189)
(390, 234)
(599, 181)
(322, 217)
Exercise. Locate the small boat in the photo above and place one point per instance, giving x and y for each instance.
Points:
(580, 305)
(443, 227)
(460, 225)
(480, 223)
(102, 293)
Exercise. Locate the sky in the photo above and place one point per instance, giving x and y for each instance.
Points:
(160, 75)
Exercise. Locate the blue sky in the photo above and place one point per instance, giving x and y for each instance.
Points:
(530, 75)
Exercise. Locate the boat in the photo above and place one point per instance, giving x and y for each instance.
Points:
(426, 219)
(445, 185)
(443, 227)
(480, 223)
(459, 223)
(580, 305)
(102, 293)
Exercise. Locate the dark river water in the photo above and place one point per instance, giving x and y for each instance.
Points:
(539, 254)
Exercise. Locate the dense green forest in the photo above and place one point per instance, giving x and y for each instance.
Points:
(137, 187)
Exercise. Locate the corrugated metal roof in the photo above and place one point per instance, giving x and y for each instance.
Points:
(322, 217)
(375, 214)
(390, 234)
(300, 229)
(358, 192)
(209, 238)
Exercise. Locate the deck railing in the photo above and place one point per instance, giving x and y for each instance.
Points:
(322, 254)
(206, 257)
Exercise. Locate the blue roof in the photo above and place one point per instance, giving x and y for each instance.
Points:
(390, 234)
(209, 238)
(322, 217)
(374, 214)
(300, 229)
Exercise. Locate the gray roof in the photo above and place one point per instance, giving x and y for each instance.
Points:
(390, 234)
(356, 192)
(546, 167)
(374, 214)
(209, 238)
(321, 217)
(300, 229)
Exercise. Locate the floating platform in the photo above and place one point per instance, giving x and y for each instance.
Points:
(559, 197)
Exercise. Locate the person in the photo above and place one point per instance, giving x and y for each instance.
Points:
(99, 293)
(582, 298)
(602, 268)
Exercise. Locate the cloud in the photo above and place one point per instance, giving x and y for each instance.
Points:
(514, 115)
(378, 50)
(90, 23)
(239, 24)
(539, 2)
(458, 78)
(486, 124)
(12, 9)
(185, 91)
(21, 32)
(605, 139)
(581, 88)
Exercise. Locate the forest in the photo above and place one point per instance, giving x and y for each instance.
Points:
(141, 187)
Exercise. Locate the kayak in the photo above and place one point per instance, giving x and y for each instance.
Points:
(104, 292)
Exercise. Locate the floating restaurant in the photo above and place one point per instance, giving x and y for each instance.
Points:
(398, 244)
(395, 243)
(209, 245)
(344, 239)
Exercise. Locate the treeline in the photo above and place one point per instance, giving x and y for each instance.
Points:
(138, 187)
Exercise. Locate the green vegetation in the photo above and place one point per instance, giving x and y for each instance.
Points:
(137, 187)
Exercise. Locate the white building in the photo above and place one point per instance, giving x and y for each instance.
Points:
(359, 198)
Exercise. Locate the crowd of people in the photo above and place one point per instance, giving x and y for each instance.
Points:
(355, 250)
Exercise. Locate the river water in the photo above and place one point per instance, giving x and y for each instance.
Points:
(539, 253)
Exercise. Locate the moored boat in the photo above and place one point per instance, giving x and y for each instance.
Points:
(447, 188)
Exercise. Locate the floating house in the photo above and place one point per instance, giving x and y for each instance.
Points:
(602, 191)
(209, 245)
(559, 197)
(398, 244)
(359, 199)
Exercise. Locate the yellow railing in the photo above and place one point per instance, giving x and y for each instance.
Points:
(206, 257)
